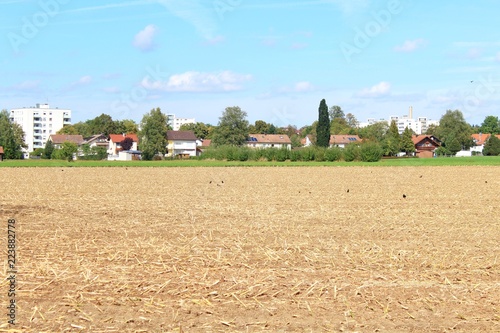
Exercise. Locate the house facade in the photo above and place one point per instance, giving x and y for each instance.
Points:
(1, 153)
(425, 145)
(342, 141)
(269, 141)
(181, 144)
(114, 144)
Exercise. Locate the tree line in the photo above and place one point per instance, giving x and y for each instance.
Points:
(233, 129)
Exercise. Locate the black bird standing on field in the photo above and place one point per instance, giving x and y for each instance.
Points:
(404, 196)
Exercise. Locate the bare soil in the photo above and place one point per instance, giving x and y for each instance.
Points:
(312, 249)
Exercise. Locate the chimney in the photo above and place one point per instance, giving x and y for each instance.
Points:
(411, 112)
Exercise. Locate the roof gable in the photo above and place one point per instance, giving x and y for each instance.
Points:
(343, 139)
(61, 138)
(425, 140)
(480, 139)
(96, 137)
(181, 135)
(269, 138)
(115, 138)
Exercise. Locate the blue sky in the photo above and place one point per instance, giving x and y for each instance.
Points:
(274, 59)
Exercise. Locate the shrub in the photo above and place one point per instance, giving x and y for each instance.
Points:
(231, 153)
(259, 154)
(37, 153)
(307, 154)
(243, 154)
(371, 152)
(295, 155)
(333, 154)
(282, 154)
(319, 154)
(351, 152)
(442, 151)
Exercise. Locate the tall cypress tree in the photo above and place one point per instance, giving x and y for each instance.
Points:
(323, 129)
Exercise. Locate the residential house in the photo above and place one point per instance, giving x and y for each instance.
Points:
(425, 145)
(58, 139)
(1, 153)
(181, 144)
(342, 141)
(201, 145)
(269, 141)
(114, 144)
(307, 141)
(479, 142)
(98, 140)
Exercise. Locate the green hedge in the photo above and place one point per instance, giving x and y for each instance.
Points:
(369, 152)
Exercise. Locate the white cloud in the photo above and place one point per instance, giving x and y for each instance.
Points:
(111, 90)
(379, 90)
(144, 40)
(299, 46)
(349, 6)
(410, 45)
(199, 82)
(201, 16)
(29, 85)
(303, 86)
(474, 53)
(84, 80)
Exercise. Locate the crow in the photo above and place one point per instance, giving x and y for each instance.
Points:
(347, 190)
(404, 196)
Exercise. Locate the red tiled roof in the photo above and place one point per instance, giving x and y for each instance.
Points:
(343, 139)
(119, 137)
(181, 135)
(480, 139)
(206, 143)
(60, 138)
(270, 138)
(419, 138)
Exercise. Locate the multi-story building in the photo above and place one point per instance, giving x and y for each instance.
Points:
(176, 123)
(418, 126)
(38, 123)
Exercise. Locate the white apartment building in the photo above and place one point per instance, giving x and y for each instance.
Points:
(419, 125)
(38, 123)
(176, 123)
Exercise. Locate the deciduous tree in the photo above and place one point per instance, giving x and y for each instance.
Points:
(392, 140)
(407, 144)
(454, 130)
(232, 128)
(490, 125)
(11, 137)
(153, 134)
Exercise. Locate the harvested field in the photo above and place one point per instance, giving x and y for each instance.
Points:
(312, 249)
